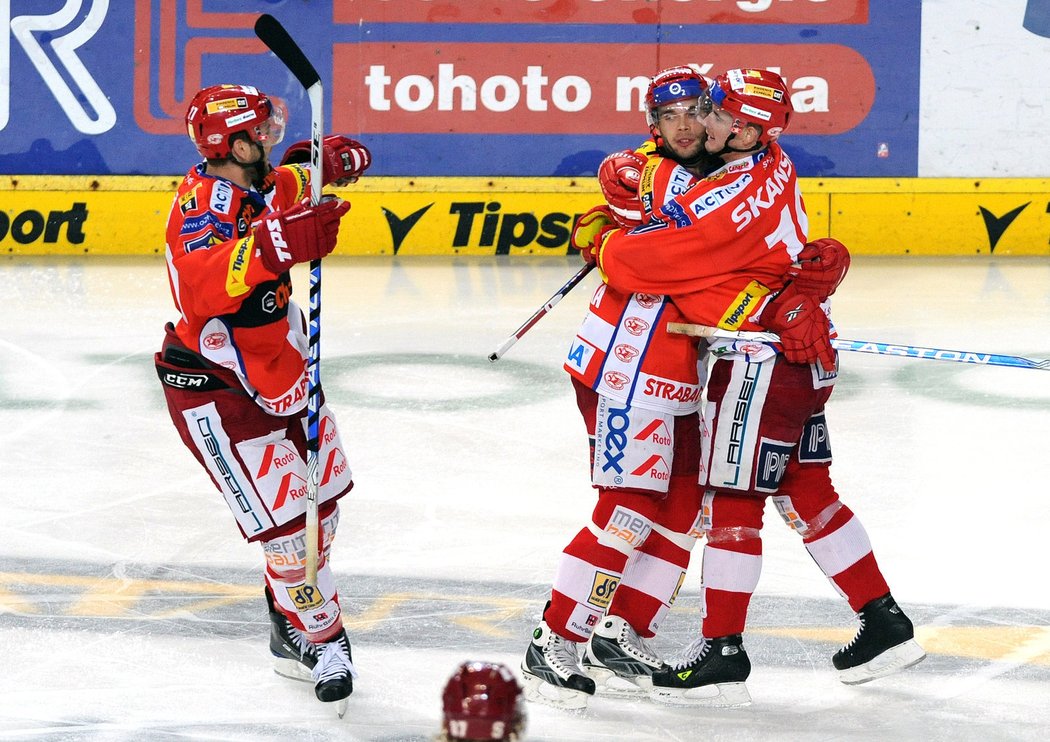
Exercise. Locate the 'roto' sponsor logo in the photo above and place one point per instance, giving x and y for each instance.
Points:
(31, 225)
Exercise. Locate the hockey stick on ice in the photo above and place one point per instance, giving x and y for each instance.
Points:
(539, 313)
(866, 346)
(276, 38)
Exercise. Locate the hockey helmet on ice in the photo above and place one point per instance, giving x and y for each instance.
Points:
(483, 701)
(219, 111)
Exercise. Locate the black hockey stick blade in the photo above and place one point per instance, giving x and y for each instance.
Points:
(272, 33)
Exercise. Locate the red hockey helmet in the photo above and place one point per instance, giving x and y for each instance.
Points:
(218, 111)
(483, 701)
(756, 97)
(670, 85)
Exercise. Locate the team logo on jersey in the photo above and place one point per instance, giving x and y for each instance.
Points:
(188, 200)
(635, 325)
(617, 380)
(215, 340)
(648, 301)
(625, 352)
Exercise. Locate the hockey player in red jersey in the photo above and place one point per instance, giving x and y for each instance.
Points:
(482, 702)
(722, 251)
(233, 367)
(639, 389)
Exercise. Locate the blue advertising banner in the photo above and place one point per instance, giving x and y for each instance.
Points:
(450, 87)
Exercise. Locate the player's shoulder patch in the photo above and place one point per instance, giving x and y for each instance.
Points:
(648, 148)
(188, 200)
(221, 200)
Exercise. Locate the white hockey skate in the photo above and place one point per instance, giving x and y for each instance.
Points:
(620, 662)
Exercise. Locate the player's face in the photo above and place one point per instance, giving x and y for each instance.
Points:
(719, 124)
(682, 128)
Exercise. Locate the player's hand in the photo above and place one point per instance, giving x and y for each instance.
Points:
(822, 266)
(343, 160)
(619, 176)
(299, 234)
(804, 329)
(591, 230)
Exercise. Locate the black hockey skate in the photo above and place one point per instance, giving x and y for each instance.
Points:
(552, 671)
(885, 644)
(618, 660)
(334, 672)
(713, 674)
(293, 655)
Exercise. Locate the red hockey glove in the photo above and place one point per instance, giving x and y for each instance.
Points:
(805, 333)
(823, 266)
(619, 176)
(590, 231)
(343, 160)
(299, 234)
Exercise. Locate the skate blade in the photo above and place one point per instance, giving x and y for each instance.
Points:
(608, 683)
(892, 660)
(540, 691)
(720, 695)
(341, 706)
(291, 669)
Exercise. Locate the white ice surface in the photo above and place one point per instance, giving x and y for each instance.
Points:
(471, 477)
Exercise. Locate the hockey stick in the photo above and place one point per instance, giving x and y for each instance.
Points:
(276, 38)
(539, 313)
(866, 346)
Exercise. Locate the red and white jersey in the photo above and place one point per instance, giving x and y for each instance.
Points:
(720, 248)
(623, 350)
(235, 312)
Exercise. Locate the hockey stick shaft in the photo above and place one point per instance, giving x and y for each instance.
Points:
(541, 312)
(277, 39)
(867, 346)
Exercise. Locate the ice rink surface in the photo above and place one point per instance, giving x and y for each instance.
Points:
(131, 610)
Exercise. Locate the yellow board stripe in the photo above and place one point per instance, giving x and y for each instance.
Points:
(125, 215)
